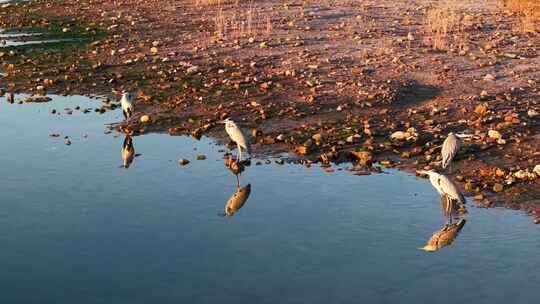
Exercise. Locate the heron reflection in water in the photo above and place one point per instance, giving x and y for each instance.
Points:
(237, 200)
(241, 195)
(128, 152)
(444, 236)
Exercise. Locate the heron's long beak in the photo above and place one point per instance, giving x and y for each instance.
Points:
(428, 248)
(422, 172)
(466, 136)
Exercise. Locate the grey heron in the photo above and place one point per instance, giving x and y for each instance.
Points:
(236, 135)
(237, 200)
(127, 104)
(128, 152)
(446, 188)
(450, 148)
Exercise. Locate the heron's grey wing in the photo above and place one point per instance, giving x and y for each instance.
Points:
(450, 148)
(450, 189)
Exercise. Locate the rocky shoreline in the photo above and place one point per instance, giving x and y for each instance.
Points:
(368, 82)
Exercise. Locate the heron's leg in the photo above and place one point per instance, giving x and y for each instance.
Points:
(237, 181)
(449, 208)
(239, 153)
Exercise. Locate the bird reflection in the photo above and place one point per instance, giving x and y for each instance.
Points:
(237, 200)
(128, 152)
(241, 195)
(444, 237)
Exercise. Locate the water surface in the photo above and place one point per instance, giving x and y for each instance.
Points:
(75, 227)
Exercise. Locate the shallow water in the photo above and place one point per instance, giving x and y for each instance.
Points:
(77, 228)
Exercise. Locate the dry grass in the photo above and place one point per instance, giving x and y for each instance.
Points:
(215, 2)
(445, 27)
(240, 21)
(529, 13)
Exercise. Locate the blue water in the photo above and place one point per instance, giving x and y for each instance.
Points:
(77, 228)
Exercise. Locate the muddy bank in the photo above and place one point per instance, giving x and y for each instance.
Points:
(320, 79)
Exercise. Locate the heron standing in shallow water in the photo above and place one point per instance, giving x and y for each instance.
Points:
(446, 188)
(127, 104)
(236, 135)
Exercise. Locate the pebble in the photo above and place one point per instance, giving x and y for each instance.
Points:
(399, 135)
(494, 134)
(201, 157)
(498, 187)
(537, 169)
(183, 162)
(489, 77)
(365, 158)
(144, 119)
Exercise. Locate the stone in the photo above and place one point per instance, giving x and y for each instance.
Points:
(317, 137)
(183, 162)
(494, 134)
(145, 119)
(481, 109)
(537, 170)
(365, 158)
(303, 150)
(399, 135)
(489, 77)
(498, 187)
(353, 138)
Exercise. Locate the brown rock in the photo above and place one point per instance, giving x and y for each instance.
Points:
(183, 162)
(481, 109)
(303, 150)
(365, 158)
(494, 134)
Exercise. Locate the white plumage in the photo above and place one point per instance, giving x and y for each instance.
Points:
(127, 104)
(236, 135)
(444, 186)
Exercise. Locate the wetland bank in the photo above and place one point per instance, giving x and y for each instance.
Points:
(316, 78)
(328, 92)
